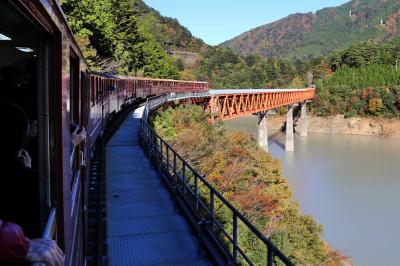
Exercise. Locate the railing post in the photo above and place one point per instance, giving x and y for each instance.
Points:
(175, 175)
(167, 148)
(157, 148)
(154, 145)
(235, 238)
(161, 151)
(184, 176)
(196, 192)
(212, 209)
(147, 140)
(150, 140)
(270, 257)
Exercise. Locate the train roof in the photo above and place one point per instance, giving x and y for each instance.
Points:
(154, 79)
(108, 75)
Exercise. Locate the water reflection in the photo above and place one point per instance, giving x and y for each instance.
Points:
(351, 185)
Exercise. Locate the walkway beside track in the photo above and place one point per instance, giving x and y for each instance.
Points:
(143, 227)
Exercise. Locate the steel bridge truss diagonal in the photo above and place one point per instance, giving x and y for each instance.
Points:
(232, 105)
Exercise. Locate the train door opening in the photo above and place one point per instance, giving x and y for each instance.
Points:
(25, 67)
(74, 115)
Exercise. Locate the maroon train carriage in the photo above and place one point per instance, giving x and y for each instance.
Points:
(141, 88)
(43, 70)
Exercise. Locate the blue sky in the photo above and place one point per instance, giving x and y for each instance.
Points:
(216, 21)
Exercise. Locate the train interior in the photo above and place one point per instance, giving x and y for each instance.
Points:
(22, 82)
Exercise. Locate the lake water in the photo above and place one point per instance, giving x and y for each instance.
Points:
(350, 184)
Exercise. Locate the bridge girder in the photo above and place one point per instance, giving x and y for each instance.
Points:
(229, 106)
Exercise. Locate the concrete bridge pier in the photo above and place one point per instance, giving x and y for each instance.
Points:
(263, 132)
(303, 120)
(289, 142)
(213, 109)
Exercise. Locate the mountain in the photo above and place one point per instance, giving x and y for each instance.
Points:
(314, 34)
(165, 30)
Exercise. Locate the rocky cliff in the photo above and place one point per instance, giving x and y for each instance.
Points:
(340, 125)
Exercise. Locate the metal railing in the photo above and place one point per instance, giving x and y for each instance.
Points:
(157, 101)
(209, 205)
(49, 230)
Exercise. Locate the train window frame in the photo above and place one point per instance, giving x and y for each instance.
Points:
(99, 93)
(45, 105)
(92, 91)
(44, 50)
(75, 111)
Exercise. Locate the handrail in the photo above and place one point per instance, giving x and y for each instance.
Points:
(156, 101)
(49, 230)
(201, 196)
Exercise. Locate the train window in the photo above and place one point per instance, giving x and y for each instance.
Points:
(74, 111)
(92, 90)
(25, 72)
(102, 88)
(74, 87)
(99, 90)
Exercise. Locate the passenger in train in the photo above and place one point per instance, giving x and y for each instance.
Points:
(112, 88)
(19, 195)
(32, 146)
(20, 78)
(19, 192)
(78, 134)
(16, 249)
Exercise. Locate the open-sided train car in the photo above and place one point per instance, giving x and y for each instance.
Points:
(43, 71)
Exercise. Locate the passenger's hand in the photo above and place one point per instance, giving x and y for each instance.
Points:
(25, 158)
(45, 251)
(77, 138)
(33, 129)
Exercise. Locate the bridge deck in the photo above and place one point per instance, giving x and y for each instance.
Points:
(251, 91)
(142, 226)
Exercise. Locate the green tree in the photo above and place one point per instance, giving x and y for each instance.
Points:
(157, 63)
(92, 19)
(180, 64)
(128, 41)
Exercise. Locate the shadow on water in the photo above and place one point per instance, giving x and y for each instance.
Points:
(278, 138)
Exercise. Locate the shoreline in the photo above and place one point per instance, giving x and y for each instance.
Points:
(380, 127)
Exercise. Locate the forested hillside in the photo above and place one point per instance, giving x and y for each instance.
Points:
(224, 68)
(365, 81)
(167, 31)
(127, 37)
(315, 34)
